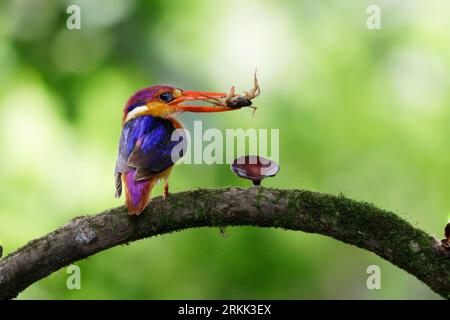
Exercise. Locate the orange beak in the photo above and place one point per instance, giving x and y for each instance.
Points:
(199, 96)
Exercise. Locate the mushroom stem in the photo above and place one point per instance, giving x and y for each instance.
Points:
(256, 182)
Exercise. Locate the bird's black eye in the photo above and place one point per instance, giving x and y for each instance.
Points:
(166, 96)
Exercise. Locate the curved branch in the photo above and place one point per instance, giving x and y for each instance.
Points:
(352, 222)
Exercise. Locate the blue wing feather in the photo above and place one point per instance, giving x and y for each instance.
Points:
(146, 144)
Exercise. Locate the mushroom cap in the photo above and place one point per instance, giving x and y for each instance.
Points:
(254, 168)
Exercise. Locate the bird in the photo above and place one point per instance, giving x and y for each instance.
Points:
(146, 147)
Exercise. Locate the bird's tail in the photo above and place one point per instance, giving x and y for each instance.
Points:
(137, 193)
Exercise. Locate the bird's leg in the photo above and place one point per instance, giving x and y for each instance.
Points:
(166, 188)
(165, 176)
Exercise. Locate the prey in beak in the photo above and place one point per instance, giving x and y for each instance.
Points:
(220, 101)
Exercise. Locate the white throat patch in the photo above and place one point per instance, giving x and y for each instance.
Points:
(135, 112)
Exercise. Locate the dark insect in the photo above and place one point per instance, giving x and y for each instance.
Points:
(239, 102)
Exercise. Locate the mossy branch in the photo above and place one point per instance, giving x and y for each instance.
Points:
(352, 222)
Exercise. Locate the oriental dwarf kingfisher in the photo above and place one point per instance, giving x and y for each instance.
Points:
(145, 147)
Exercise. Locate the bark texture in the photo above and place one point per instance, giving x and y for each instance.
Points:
(356, 223)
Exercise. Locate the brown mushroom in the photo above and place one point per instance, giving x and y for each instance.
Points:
(254, 168)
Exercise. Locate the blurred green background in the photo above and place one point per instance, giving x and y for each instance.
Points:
(362, 112)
